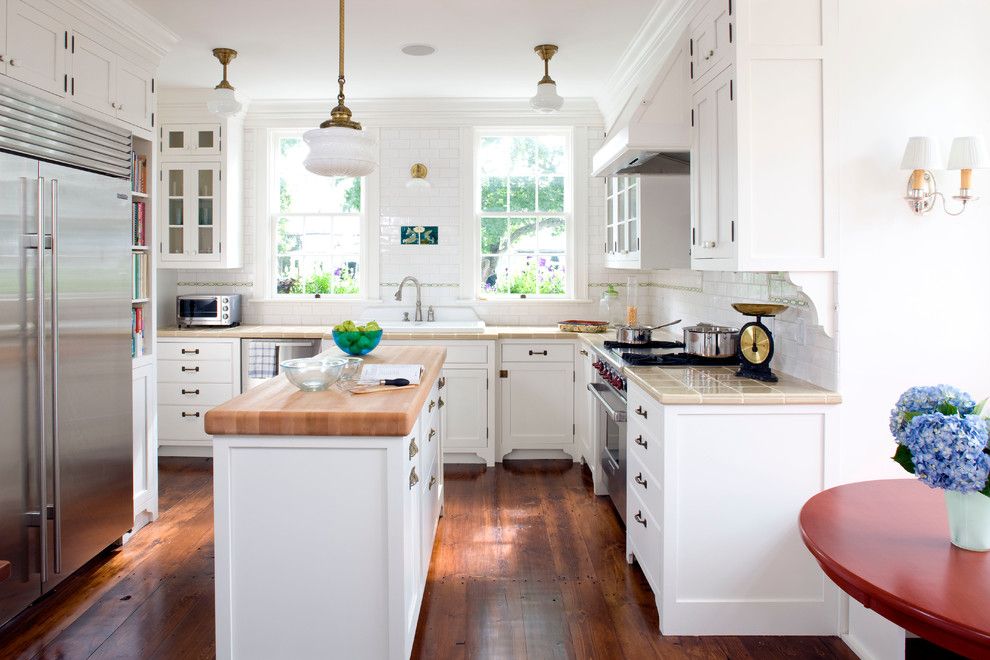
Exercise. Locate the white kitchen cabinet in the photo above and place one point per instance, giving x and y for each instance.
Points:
(37, 42)
(585, 407)
(191, 208)
(647, 221)
(700, 479)
(194, 375)
(93, 78)
(200, 192)
(537, 398)
(764, 138)
(134, 94)
(145, 448)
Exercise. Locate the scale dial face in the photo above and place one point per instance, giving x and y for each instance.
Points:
(755, 344)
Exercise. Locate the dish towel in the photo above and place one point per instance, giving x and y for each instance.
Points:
(263, 359)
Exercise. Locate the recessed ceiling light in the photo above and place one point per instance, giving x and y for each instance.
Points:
(418, 50)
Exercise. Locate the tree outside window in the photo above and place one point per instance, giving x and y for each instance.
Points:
(316, 226)
(522, 182)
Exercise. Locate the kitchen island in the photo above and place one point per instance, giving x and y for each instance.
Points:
(325, 508)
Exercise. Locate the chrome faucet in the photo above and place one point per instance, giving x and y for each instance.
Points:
(419, 301)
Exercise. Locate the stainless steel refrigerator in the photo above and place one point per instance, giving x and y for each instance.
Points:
(66, 475)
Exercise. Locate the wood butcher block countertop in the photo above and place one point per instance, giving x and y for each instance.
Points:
(277, 407)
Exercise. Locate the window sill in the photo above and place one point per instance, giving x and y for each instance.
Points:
(524, 301)
(296, 301)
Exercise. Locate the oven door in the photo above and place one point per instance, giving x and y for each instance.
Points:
(612, 429)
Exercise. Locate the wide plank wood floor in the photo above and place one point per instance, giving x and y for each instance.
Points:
(527, 564)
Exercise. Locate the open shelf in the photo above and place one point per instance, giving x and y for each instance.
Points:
(142, 195)
(140, 248)
(140, 301)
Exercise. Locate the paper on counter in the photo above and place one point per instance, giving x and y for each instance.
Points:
(372, 374)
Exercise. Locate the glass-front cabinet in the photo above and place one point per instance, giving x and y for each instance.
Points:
(622, 228)
(191, 196)
(190, 139)
(647, 221)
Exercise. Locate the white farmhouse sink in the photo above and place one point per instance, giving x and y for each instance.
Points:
(448, 319)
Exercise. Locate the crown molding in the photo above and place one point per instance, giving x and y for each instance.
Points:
(131, 26)
(647, 50)
(301, 113)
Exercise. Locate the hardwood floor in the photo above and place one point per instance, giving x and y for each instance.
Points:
(527, 564)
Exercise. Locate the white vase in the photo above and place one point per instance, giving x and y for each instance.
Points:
(969, 520)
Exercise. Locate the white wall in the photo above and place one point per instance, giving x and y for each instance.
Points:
(912, 291)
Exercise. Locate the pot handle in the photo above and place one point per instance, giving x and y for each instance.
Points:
(665, 325)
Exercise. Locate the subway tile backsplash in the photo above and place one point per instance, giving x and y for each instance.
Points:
(803, 350)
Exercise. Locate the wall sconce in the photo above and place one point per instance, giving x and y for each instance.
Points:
(922, 157)
(417, 177)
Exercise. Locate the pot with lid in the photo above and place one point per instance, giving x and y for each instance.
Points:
(711, 341)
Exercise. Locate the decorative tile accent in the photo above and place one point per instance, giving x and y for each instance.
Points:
(214, 283)
(425, 285)
(420, 235)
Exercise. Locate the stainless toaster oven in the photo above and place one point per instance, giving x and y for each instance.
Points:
(222, 309)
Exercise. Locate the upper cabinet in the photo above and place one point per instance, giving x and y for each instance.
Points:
(763, 136)
(647, 220)
(47, 46)
(199, 191)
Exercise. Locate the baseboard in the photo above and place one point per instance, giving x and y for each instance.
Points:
(192, 451)
(538, 454)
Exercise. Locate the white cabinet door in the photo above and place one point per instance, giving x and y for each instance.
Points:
(538, 406)
(94, 73)
(465, 410)
(191, 140)
(3, 38)
(584, 406)
(36, 47)
(190, 211)
(145, 447)
(711, 38)
(713, 169)
(133, 96)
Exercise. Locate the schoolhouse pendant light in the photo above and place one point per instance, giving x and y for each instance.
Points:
(339, 147)
(223, 101)
(546, 99)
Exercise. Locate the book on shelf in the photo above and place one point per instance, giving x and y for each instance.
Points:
(139, 173)
(142, 273)
(138, 236)
(137, 332)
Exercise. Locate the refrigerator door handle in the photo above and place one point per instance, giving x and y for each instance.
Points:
(42, 463)
(56, 467)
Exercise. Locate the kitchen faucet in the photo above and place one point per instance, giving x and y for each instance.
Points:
(419, 302)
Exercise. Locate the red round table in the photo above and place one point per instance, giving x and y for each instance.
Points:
(886, 544)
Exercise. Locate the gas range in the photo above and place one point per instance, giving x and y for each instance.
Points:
(661, 353)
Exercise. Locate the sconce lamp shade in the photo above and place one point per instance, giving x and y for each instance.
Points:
(921, 153)
(969, 153)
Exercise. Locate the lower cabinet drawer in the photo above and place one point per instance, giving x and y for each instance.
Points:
(195, 371)
(458, 353)
(642, 480)
(195, 350)
(537, 352)
(645, 534)
(182, 422)
(199, 394)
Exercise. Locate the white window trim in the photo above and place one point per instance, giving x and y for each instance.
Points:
(576, 201)
(264, 284)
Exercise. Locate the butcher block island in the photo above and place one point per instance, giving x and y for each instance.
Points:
(326, 506)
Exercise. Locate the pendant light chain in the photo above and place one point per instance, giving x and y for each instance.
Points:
(340, 75)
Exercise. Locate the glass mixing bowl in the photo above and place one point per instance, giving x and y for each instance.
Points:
(313, 374)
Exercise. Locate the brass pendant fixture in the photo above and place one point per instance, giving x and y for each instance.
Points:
(546, 98)
(223, 100)
(339, 147)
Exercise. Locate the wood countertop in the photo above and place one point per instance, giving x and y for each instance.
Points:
(491, 333)
(277, 407)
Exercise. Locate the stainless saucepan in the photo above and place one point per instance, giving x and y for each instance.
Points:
(639, 334)
(713, 341)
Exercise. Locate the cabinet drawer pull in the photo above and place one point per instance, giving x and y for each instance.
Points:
(413, 478)
(185, 414)
(639, 411)
(583, 352)
(190, 368)
(190, 391)
(640, 480)
(413, 448)
(639, 441)
(440, 403)
(442, 383)
(433, 404)
(190, 351)
(429, 438)
(543, 352)
(640, 519)
(433, 481)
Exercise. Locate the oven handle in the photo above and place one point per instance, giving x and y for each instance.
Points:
(599, 390)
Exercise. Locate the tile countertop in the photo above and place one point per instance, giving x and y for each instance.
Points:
(668, 385)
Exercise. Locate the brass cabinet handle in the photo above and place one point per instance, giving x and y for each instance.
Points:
(441, 403)
(639, 411)
(640, 480)
(640, 519)
(583, 352)
(433, 432)
(543, 352)
(185, 414)
(190, 351)
(442, 383)
(639, 441)
(413, 448)
(433, 481)
(433, 404)
(190, 391)
(413, 478)
(190, 368)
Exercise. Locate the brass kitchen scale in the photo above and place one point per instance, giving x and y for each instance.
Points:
(756, 341)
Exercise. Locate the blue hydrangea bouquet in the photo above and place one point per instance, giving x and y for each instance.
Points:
(942, 439)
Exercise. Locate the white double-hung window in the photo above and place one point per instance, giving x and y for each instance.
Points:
(314, 226)
(524, 213)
